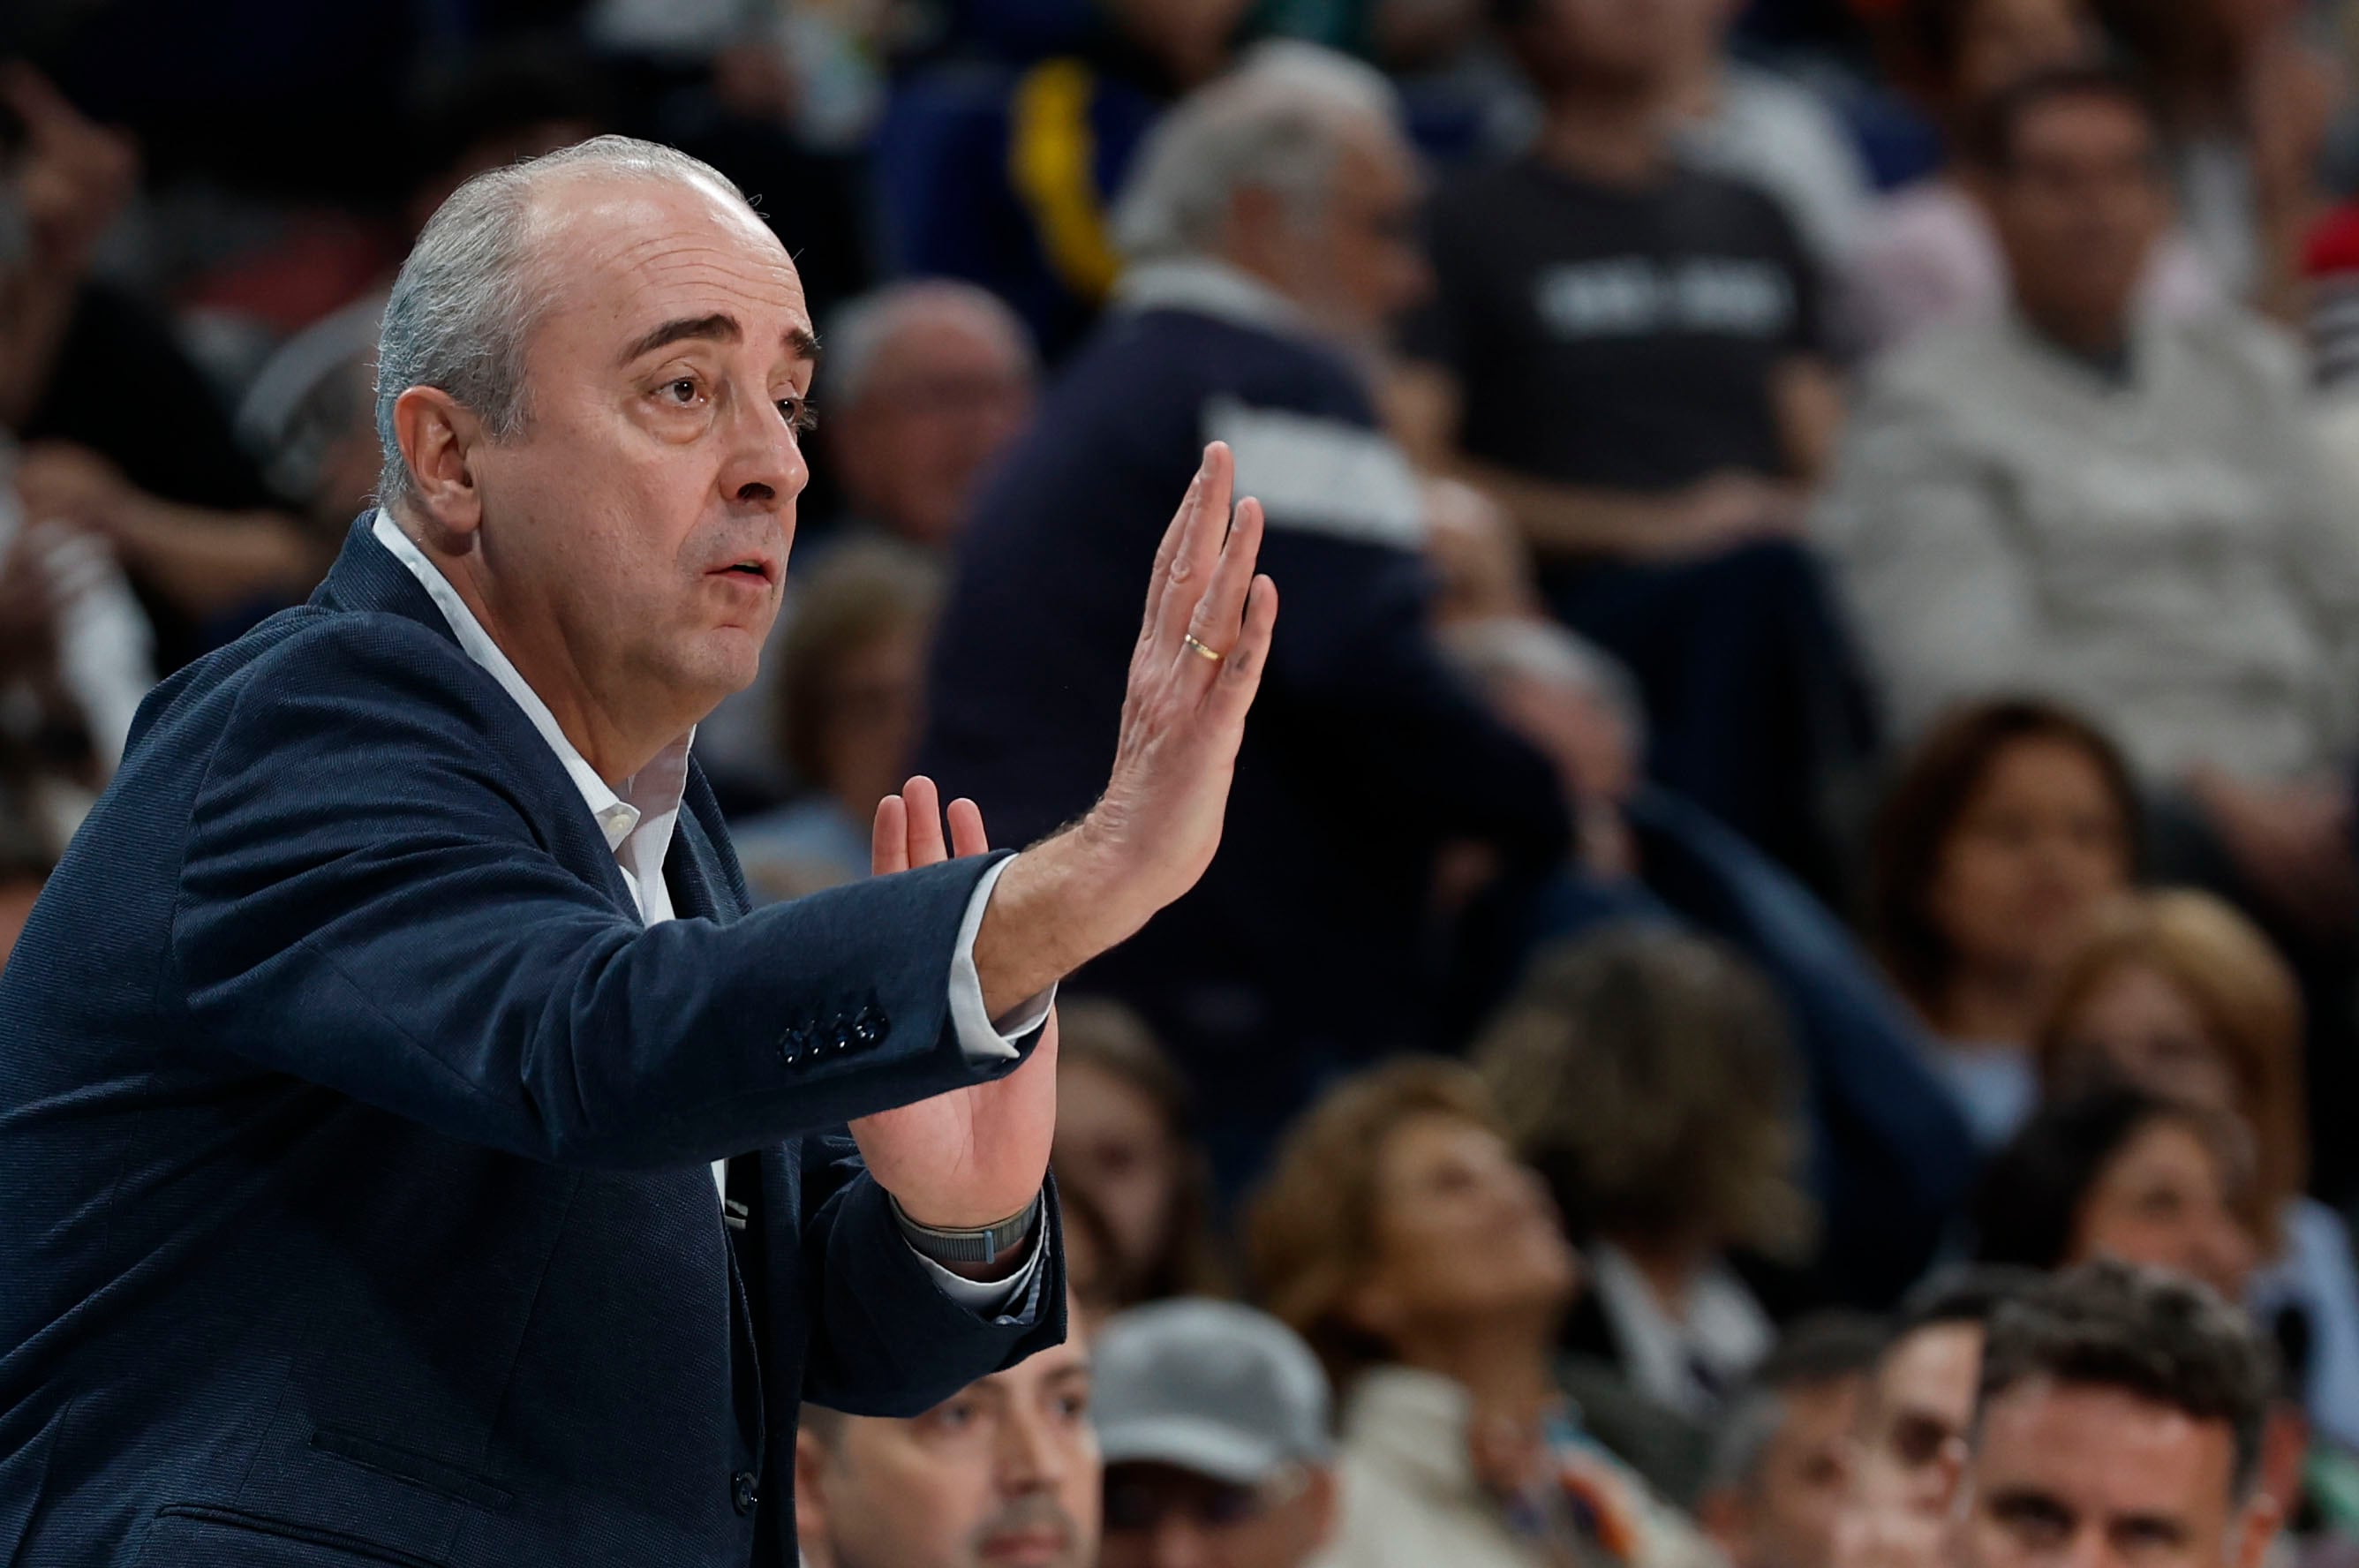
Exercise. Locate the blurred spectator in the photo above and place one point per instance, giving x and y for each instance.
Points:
(1006, 177)
(1630, 355)
(1003, 1471)
(2180, 995)
(850, 693)
(122, 436)
(1124, 1141)
(1928, 255)
(2122, 512)
(1781, 1457)
(2249, 100)
(26, 861)
(2121, 1417)
(1400, 1237)
(1648, 1077)
(2123, 1174)
(1213, 1420)
(1270, 226)
(1758, 125)
(1891, 1158)
(928, 382)
(1916, 1412)
(2003, 833)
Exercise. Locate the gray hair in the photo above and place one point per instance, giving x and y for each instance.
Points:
(467, 299)
(859, 330)
(1277, 122)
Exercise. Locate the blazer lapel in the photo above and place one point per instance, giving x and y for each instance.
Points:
(367, 578)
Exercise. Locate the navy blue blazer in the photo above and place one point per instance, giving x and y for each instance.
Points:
(355, 1138)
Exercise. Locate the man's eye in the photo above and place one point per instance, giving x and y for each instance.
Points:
(800, 417)
(682, 391)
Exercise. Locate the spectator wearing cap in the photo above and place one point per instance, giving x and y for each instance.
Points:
(2123, 513)
(1916, 1407)
(928, 382)
(1213, 1422)
(1270, 226)
(1401, 1237)
(1780, 1459)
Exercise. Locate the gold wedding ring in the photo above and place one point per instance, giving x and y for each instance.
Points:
(1197, 646)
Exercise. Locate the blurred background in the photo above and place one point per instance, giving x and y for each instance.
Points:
(1816, 710)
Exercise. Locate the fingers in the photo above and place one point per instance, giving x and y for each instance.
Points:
(1241, 671)
(925, 803)
(889, 845)
(1215, 622)
(1168, 548)
(1199, 529)
(967, 837)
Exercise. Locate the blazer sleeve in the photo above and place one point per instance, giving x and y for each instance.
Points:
(366, 902)
(885, 1340)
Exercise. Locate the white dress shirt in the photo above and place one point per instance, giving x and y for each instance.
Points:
(637, 818)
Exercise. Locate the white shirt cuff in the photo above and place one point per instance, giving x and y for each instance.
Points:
(983, 1037)
(993, 1298)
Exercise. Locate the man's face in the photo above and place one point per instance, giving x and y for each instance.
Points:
(1621, 46)
(1357, 264)
(947, 392)
(1003, 1475)
(1790, 1515)
(2079, 209)
(2095, 1477)
(1160, 1516)
(1919, 1400)
(638, 527)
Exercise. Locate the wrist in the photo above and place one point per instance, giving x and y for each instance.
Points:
(975, 1252)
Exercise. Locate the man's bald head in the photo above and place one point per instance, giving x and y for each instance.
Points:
(466, 302)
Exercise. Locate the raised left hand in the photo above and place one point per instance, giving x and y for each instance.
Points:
(975, 1156)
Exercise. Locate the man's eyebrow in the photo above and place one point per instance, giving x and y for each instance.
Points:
(718, 327)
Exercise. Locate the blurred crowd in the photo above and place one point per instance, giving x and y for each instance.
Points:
(1783, 975)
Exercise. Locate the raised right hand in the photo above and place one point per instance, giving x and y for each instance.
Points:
(1155, 828)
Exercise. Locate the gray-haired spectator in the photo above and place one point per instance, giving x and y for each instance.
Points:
(1780, 1462)
(1213, 1422)
(928, 382)
(1270, 226)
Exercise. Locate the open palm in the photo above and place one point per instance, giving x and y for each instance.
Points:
(973, 1156)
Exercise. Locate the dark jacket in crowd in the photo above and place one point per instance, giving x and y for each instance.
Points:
(1299, 949)
(355, 1140)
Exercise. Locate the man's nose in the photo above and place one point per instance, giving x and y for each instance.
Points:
(1031, 1457)
(765, 466)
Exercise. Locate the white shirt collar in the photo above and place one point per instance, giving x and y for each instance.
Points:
(637, 818)
(1215, 288)
(1724, 1329)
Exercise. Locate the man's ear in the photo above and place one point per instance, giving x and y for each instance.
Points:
(2258, 1519)
(438, 438)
